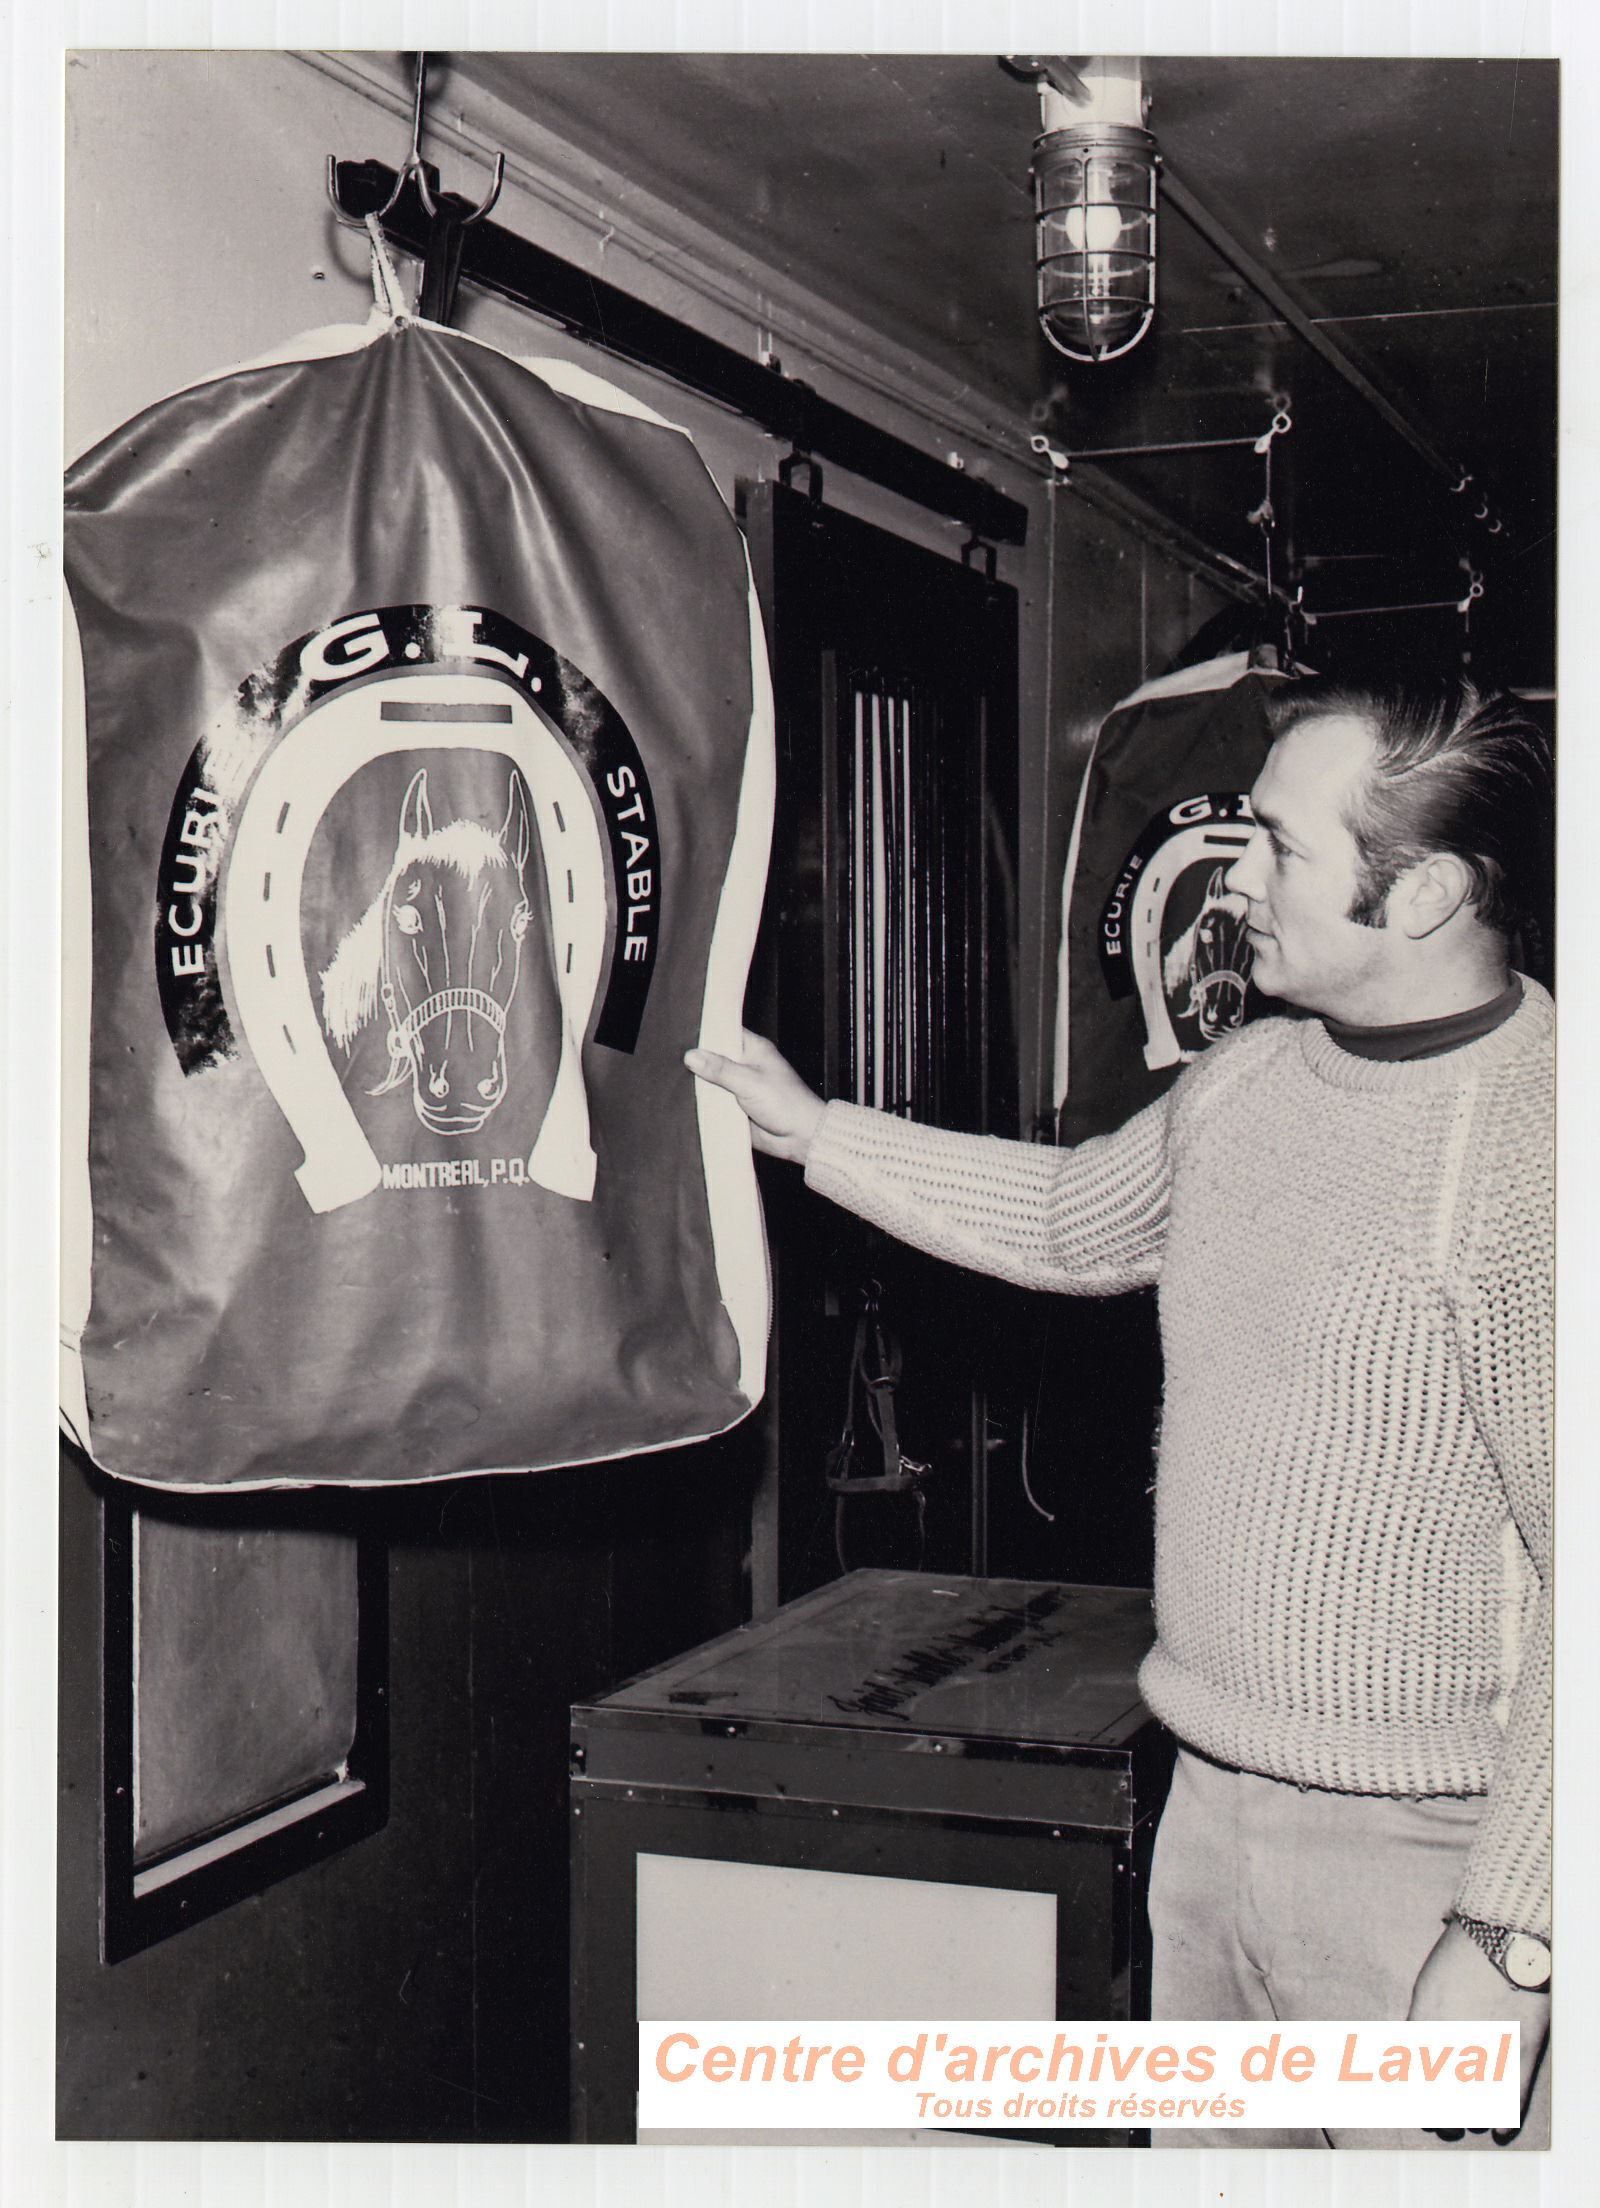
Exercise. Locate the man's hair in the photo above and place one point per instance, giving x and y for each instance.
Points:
(1456, 770)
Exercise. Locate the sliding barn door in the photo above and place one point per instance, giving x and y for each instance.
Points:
(887, 974)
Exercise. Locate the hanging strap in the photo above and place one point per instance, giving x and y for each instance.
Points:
(391, 300)
(875, 1368)
(441, 264)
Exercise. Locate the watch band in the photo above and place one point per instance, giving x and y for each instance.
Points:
(1521, 1959)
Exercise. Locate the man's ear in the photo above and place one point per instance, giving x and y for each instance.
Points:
(1429, 894)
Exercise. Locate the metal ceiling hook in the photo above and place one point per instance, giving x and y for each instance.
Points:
(413, 167)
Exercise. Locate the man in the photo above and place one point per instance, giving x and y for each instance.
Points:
(1349, 1219)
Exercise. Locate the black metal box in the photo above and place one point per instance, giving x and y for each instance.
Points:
(947, 1734)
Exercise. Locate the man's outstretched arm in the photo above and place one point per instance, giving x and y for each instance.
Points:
(1087, 1221)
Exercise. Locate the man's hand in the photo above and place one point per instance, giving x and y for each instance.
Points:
(1458, 1980)
(783, 1113)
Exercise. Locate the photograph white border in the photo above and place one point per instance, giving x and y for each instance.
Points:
(35, 2168)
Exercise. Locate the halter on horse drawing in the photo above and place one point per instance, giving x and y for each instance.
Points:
(440, 947)
(1212, 961)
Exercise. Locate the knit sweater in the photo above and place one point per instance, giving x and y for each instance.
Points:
(1354, 1264)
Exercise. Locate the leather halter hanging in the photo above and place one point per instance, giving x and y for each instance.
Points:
(876, 1364)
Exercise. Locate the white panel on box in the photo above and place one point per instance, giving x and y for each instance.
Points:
(761, 1940)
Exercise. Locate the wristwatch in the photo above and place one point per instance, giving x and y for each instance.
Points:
(1520, 1959)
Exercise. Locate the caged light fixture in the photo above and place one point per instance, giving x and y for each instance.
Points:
(1094, 176)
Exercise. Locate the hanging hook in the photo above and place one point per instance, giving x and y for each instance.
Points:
(1483, 511)
(1474, 587)
(414, 167)
(1292, 610)
(413, 161)
(1264, 517)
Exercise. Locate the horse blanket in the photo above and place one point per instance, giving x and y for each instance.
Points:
(424, 786)
(1155, 962)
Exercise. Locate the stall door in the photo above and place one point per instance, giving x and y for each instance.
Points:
(887, 974)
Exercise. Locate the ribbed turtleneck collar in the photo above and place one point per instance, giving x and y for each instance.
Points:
(1528, 1031)
(1428, 1038)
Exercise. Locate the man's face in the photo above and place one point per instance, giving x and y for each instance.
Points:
(1299, 871)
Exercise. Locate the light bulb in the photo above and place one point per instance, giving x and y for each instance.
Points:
(1093, 229)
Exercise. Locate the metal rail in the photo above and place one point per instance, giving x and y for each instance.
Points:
(496, 260)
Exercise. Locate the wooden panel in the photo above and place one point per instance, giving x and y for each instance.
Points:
(245, 1677)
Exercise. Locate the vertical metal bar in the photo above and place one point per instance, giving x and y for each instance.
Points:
(860, 948)
(896, 738)
(944, 984)
(835, 884)
(880, 888)
(928, 897)
(893, 1010)
(981, 815)
(977, 948)
(908, 894)
(903, 871)
(883, 847)
(914, 930)
(869, 883)
(908, 968)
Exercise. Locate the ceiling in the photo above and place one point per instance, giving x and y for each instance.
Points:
(1408, 207)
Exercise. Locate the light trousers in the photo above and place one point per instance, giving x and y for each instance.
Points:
(1277, 1903)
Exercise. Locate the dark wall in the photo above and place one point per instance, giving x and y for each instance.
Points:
(415, 1986)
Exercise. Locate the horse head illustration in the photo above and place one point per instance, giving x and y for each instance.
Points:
(440, 947)
(1212, 960)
